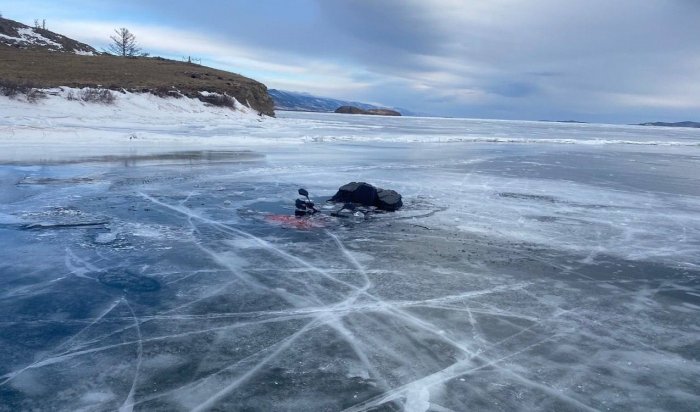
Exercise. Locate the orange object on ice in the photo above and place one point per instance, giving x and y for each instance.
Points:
(294, 222)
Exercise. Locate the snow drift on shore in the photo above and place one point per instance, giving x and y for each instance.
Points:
(62, 127)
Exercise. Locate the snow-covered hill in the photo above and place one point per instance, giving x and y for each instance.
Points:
(18, 35)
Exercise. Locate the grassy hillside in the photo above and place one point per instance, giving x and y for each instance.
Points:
(51, 69)
(43, 59)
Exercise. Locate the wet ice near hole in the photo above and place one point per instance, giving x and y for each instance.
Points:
(520, 274)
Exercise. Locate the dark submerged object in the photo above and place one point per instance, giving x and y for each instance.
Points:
(388, 200)
(125, 280)
(357, 199)
(356, 192)
(304, 207)
(367, 195)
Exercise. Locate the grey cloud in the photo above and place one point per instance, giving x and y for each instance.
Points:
(513, 89)
(390, 24)
(587, 59)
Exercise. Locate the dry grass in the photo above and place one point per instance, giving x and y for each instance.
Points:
(91, 95)
(160, 76)
(14, 89)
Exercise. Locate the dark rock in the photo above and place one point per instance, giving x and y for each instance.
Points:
(356, 192)
(357, 110)
(388, 200)
(383, 112)
(350, 110)
(368, 196)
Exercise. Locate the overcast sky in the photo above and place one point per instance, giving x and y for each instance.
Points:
(618, 61)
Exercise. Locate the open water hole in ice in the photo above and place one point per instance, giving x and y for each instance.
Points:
(517, 277)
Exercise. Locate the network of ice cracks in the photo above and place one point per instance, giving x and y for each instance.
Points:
(392, 314)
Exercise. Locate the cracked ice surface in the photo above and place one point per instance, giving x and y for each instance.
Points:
(517, 277)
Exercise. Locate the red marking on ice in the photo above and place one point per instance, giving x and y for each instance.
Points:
(294, 222)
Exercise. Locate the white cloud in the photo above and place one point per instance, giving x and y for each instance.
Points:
(173, 42)
(277, 69)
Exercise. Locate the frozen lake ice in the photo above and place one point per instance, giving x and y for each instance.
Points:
(534, 266)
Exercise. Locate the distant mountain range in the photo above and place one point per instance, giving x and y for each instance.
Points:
(563, 121)
(305, 102)
(677, 124)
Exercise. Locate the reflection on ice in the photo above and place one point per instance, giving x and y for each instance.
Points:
(166, 287)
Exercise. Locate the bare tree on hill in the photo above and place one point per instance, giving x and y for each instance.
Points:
(124, 44)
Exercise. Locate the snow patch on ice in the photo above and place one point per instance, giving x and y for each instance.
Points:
(104, 238)
(6, 219)
(97, 397)
(417, 399)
